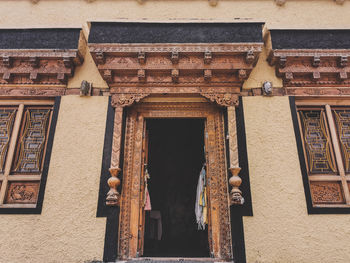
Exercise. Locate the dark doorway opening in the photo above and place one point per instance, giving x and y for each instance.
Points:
(176, 156)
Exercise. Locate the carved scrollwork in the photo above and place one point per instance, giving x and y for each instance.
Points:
(223, 99)
(126, 99)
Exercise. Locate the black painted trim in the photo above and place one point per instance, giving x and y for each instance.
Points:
(136, 32)
(237, 212)
(102, 209)
(247, 208)
(310, 208)
(41, 38)
(39, 205)
(310, 39)
(110, 251)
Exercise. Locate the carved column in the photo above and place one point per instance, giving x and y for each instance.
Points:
(235, 181)
(113, 196)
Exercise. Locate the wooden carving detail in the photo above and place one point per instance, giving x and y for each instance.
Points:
(317, 142)
(31, 142)
(32, 91)
(125, 220)
(315, 67)
(223, 99)
(224, 220)
(159, 65)
(25, 193)
(113, 196)
(342, 121)
(126, 99)
(7, 117)
(219, 231)
(326, 192)
(48, 67)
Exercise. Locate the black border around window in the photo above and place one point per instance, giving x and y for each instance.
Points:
(39, 204)
(310, 208)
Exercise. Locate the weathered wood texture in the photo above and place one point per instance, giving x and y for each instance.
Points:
(219, 232)
(163, 65)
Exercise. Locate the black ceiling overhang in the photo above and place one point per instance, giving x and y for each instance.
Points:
(43, 38)
(136, 32)
(310, 39)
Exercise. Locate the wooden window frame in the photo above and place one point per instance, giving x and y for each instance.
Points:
(328, 104)
(40, 177)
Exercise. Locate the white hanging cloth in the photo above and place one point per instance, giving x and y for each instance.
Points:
(201, 201)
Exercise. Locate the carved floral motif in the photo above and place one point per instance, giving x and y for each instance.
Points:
(326, 192)
(22, 193)
(223, 99)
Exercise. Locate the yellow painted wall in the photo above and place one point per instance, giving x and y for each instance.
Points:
(74, 13)
(281, 230)
(67, 230)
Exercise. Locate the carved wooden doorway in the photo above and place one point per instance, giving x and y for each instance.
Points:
(130, 231)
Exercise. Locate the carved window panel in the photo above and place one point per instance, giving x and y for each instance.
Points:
(7, 116)
(317, 142)
(32, 140)
(325, 132)
(24, 129)
(342, 121)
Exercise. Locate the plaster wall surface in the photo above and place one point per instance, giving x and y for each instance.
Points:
(281, 229)
(74, 13)
(67, 230)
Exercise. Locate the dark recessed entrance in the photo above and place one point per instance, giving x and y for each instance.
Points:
(175, 159)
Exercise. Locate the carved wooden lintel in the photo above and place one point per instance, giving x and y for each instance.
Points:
(311, 67)
(126, 99)
(230, 64)
(32, 91)
(47, 67)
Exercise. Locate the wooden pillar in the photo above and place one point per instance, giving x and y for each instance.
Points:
(113, 196)
(235, 181)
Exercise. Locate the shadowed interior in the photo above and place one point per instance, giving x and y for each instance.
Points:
(176, 156)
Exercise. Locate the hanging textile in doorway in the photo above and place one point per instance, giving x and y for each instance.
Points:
(147, 198)
(201, 206)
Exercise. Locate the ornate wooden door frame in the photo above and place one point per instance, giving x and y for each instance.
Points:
(137, 72)
(219, 230)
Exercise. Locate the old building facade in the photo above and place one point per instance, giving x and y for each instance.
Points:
(104, 102)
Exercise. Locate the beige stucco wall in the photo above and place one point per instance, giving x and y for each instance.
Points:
(73, 13)
(67, 230)
(281, 230)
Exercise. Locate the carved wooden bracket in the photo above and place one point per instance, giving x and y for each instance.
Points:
(126, 99)
(162, 65)
(311, 67)
(223, 99)
(48, 67)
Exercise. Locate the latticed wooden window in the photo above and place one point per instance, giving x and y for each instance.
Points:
(24, 129)
(325, 132)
